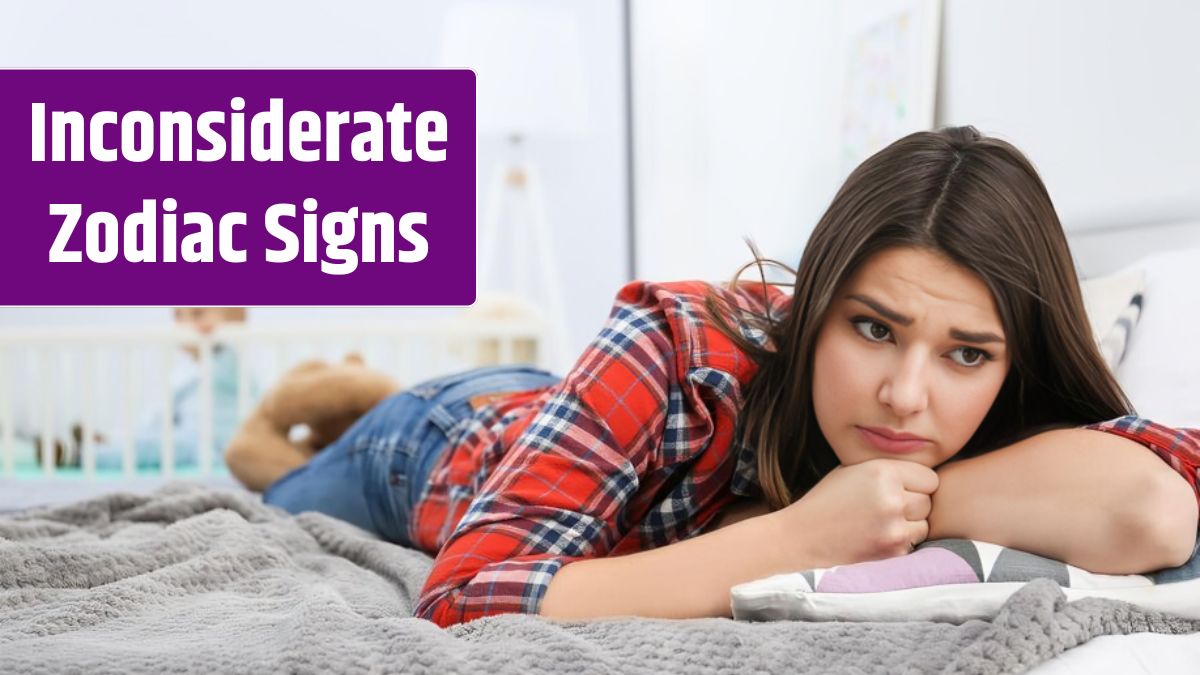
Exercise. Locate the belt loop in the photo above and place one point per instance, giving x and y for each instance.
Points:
(442, 418)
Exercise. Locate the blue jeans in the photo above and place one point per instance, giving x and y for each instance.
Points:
(374, 474)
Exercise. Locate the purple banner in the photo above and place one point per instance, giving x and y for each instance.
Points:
(237, 187)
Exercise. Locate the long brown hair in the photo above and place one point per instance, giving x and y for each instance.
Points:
(978, 202)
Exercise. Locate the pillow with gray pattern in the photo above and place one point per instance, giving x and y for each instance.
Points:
(1114, 305)
(951, 580)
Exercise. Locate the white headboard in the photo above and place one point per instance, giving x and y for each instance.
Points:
(1099, 251)
(1161, 370)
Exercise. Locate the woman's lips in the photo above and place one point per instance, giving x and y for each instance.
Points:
(891, 445)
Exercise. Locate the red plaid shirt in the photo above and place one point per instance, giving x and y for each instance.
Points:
(632, 450)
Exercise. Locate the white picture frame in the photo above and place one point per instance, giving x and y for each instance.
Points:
(890, 71)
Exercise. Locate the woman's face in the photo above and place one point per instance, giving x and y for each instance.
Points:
(893, 354)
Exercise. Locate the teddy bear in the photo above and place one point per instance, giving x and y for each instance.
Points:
(315, 401)
(310, 406)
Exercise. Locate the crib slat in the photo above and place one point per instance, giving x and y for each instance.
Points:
(243, 376)
(167, 451)
(205, 447)
(87, 410)
(6, 412)
(48, 465)
(405, 370)
(506, 349)
(329, 349)
(127, 405)
(279, 353)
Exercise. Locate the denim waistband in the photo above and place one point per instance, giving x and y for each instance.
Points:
(436, 410)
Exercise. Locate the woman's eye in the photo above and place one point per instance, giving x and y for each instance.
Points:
(872, 333)
(980, 357)
(878, 332)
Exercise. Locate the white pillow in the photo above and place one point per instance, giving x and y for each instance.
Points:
(779, 598)
(1161, 369)
(948, 580)
(1114, 304)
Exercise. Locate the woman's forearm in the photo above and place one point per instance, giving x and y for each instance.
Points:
(687, 579)
(1092, 499)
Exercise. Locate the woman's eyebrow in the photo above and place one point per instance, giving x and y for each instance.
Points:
(897, 317)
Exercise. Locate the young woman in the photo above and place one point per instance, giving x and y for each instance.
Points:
(931, 375)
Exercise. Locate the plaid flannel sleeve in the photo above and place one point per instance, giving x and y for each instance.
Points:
(557, 495)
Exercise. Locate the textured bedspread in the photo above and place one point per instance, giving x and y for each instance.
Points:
(192, 579)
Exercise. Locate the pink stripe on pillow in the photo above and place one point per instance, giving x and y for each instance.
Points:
(927, 567)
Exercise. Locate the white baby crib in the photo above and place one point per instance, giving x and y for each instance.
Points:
(104, 379)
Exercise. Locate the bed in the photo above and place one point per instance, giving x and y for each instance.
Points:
(196, 575)
(193, 579)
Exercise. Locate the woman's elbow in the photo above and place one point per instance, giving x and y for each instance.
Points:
(1165, 522)
(437, 607)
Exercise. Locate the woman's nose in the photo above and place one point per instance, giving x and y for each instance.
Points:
(906, 389)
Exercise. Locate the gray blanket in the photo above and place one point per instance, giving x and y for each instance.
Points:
(191, 579)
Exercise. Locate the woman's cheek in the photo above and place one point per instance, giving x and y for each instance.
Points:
(849, 370)
(968, 403)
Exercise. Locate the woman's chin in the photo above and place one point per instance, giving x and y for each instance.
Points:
(858, 456)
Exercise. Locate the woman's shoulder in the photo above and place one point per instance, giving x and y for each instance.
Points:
(680, 308)
(1136, 425)
(748, 296)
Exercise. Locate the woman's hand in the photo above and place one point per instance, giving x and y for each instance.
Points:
(870, 511)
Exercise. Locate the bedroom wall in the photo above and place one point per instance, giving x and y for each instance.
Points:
(734, 131)
(736, 109)
(1103, 96)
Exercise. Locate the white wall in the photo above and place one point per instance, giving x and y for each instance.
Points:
(734, 134)
(737, 108)
(1103, 96)
(585, 189)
